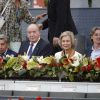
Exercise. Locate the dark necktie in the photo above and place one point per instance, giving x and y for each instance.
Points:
(30, 50)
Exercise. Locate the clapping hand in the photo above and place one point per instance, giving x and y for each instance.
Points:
(41, 16)
(55, 41)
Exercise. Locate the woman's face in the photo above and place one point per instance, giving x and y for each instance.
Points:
(66, 43)
(96, 37)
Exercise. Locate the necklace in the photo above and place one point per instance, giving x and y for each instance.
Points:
(68, 53)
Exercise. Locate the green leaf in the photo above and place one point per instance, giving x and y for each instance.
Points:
(71, 77)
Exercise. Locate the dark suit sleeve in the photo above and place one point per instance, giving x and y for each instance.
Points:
(11, 52)
(21, 49)
(46, 51)
(45, 24)
(52, 16)
(62, 13)
(64, 20)
(71, 23)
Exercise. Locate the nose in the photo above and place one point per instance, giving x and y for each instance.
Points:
(31, 34)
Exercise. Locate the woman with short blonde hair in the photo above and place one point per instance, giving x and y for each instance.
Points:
(71, 35)
(67, 43)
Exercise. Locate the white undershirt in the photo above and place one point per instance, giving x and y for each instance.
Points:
(95, 53)
(34, 45)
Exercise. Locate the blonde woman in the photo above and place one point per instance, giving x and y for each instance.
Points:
(67, 43)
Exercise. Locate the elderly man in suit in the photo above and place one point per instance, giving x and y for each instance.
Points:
(4, 50)
(35, 45)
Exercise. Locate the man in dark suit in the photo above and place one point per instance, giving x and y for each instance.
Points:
(59, 20)
(35, 46)
(4, 50)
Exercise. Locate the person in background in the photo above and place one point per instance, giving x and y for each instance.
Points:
(4, 49)
(35, 45)
(16, 12)
(94, 50)
(67, 43)
(59, 20)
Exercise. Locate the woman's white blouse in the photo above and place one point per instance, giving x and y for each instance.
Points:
(76, 57)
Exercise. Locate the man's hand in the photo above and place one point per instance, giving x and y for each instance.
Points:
(40, 26)
(41, 16)
(55, 41)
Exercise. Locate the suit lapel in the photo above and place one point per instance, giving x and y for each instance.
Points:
(8, 52)
(37, 48)
(26, 46)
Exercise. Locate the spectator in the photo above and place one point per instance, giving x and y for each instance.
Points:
(4, 50)
(59, 20)
(16, 12)
(94, 50)
(35, 46)
(67, 43)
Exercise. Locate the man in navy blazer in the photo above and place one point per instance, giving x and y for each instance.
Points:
(4, 50)
(35, 46)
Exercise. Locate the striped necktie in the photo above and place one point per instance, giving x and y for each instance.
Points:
(30, 50)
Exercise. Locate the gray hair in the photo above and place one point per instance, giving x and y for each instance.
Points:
(71, 35)
(4, 37)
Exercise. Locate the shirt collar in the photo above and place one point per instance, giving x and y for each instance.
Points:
(95, 49)
(35, 42)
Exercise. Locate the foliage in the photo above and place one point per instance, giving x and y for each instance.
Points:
(84, 70)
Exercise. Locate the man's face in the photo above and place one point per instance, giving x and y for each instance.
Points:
(3, 46)
(33, 33)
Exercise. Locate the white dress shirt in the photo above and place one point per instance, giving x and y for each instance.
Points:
(77, 57)
(95, 53)
(34, 45)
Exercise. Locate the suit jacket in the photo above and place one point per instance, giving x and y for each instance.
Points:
(42, 48)
(9, 52)
(88, 51)
(59, 18)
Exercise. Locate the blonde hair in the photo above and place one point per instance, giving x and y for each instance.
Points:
(71, 35)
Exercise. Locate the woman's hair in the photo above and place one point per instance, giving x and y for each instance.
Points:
(71, 35)
(93, 31)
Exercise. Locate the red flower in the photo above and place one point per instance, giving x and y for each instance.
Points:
(38, 98)
(89, 67)
(98, 61)
(65, 61)
(24, 64)
(9, 98)
(59, 64)
(83, 68)
(48, 98)
(71, 60)
(21, 98)
(1, 60)
(97, 67)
